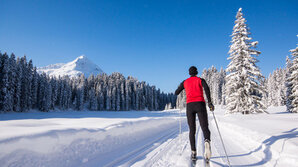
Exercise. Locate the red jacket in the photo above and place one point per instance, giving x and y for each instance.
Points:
(194, 89)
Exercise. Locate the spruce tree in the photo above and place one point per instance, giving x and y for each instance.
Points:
(288, 84)
(24, 85)
(294, 81)
(29, 71)
(93, 100)
(18, 85)
(5, 93)
(243, 89)
(34, 88)
(127, 94)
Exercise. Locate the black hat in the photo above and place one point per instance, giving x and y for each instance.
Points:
(193, 71)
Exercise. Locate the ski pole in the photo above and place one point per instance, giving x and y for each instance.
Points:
(180, 122)
(180, 129)
(221, 140)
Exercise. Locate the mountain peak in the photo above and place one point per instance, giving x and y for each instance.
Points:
(81, 65)
(81, 61)
(82, 57)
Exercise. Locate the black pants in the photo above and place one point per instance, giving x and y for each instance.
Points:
(192, 109)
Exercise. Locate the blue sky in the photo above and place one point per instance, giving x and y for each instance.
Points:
(153, 40)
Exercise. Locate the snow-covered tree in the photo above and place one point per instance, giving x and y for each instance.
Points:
(29, 71)
(243, 90)
(181, 100)
(80, 93)
(288, 84)
(48, 94)
(93, 100)
(34, 88)
(221, 86)
(18, 84)
(275, 86)
(5, 93)
(293, 95)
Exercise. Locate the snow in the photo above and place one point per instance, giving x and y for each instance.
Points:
(73, 69)
(142, 138)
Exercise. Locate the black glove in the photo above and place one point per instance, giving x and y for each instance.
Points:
(211, 106)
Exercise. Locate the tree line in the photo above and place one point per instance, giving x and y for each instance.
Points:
(22, 88)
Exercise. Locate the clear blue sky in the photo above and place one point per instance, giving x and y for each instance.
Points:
(153, 40)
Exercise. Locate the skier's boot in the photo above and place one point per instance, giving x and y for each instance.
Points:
(193, 155)
(207, 153)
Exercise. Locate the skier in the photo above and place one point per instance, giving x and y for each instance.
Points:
(195, 104)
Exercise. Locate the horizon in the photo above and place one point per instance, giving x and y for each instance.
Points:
(154, 41)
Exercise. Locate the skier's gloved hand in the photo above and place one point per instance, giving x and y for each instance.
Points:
(211, 106)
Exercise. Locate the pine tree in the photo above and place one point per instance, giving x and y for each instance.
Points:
(294, 81)
(108, 97)
(18, 85)
(41, 92)
(5, 93)
(68, 94)
(34, 88)
(142, 96)
(243, 89)
(123, 100)
(136, 92)
(93, 101)
(127, 94)
(29, 71)
(288, 84)
(80, 93)
(100, 96)
(48, 94)
(24, 85)
(283, 88)
(1, 84)
(221, 82)
(12, 79)
(114, 97)
(276, 88)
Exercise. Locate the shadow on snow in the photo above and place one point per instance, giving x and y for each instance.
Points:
(266, 144)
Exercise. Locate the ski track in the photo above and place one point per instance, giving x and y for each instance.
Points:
(177, 153)
(137, 154)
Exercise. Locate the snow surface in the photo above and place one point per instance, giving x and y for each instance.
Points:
(142, 138)
(73, 69)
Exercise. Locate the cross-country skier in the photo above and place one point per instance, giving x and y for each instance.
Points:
(196, 105)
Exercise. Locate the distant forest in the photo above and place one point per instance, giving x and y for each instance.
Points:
(23, 89)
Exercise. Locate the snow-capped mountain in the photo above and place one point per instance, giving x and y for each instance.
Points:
(73, 69)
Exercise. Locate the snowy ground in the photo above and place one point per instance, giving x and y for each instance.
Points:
(144, 139)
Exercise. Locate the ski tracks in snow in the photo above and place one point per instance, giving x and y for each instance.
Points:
(175, 152)
(137, 154)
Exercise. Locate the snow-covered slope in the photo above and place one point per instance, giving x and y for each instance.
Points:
(73, 69)
(145, 139)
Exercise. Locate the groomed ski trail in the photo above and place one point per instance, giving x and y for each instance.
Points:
(175, 152)
(137, 154)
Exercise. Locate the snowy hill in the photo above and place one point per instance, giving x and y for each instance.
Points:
(73, 69)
